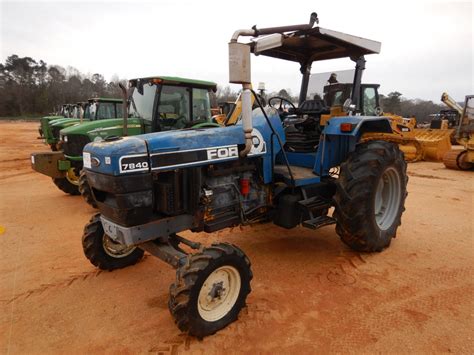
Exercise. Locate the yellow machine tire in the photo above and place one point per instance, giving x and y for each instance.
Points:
(456, 159)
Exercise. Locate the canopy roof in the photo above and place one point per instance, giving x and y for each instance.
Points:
(320, 44)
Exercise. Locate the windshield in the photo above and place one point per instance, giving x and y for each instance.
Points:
(105, 110)
(141, 105)
(319, 84)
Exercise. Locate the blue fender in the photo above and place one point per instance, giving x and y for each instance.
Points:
(335, 145)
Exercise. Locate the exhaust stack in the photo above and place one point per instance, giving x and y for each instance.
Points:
(124, 108)
(239, 66)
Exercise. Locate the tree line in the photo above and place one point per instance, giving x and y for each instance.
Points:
(29, 87)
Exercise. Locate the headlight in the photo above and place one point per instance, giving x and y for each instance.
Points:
(65, 138)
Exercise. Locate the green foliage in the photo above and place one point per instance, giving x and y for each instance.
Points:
(29, 87)
(395, 103)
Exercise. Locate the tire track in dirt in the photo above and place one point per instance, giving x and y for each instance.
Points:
(426, 176)
(409, 308)
(59, 284)
(13, 160)
(4, 177)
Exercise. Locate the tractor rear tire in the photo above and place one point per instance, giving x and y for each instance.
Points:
(210, 289)
(103, 252)
(66, 186)
(85, 189)
(371, 194)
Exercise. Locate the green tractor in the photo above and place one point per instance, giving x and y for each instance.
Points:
(154, 104)
(64, 111)
(94, 109)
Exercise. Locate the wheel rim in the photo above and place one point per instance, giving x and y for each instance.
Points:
(72, 177)
(387, 198)
(219, 293)
(116, 250)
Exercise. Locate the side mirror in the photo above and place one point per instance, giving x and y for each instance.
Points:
(348, 106)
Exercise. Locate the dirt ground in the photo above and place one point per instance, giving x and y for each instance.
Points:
(310, 292)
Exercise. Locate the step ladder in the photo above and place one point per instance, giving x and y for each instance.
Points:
(312, 205)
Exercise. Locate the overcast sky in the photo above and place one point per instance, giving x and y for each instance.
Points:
(427, 46)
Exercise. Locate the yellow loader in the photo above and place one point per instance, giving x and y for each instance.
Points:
(463, 159)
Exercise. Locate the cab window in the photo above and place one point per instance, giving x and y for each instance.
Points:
(141, 102)
(338, 98)
(201, 105)
(119, 110)
(369, 101)
(173, 107)
(105, 110)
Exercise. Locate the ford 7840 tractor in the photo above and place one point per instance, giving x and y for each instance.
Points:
(151, 187)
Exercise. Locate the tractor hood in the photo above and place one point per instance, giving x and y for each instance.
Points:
(64, 122)
(50, 118)
(98, 130)
(170, 150)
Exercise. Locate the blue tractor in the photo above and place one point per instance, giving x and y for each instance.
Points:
(151, 187)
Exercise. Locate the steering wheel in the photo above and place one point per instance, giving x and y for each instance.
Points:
(282, 100)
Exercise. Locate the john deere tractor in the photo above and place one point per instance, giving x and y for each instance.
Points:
(64, 111)
(151, 187)
(180, 103)
(95, 109)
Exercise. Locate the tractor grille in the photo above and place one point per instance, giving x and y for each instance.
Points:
(55, 131)
(75, 144)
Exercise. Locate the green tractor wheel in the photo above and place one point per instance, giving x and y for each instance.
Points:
(85, 189)
(68, 184)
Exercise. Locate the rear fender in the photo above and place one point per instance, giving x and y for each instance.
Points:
(335, 145)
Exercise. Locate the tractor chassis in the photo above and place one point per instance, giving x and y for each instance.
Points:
(159, 237)
(167, 249)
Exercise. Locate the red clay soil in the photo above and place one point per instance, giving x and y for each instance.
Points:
(310, 292)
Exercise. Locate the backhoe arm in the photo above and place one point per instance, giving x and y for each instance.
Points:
(449, 101)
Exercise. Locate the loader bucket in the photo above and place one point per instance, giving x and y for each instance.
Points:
(434, 142)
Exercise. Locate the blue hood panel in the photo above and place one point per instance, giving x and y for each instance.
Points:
(109, 153)
(164, 151)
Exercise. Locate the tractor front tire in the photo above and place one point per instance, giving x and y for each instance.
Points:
(210, 289)
(103, 252)
(371, 194)
(85, 189)
(66, 186)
